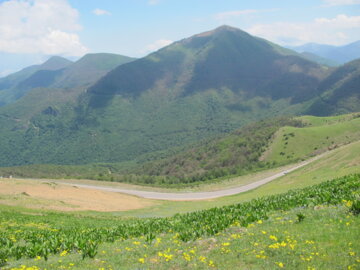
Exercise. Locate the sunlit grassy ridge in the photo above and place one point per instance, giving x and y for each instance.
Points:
(319, 135)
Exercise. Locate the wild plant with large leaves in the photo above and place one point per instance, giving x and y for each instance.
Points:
(18, 241)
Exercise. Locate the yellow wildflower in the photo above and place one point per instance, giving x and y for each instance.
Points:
(187, 257)
(202, 259)
(273, 237)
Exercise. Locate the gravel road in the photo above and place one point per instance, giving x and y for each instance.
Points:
(190, 196)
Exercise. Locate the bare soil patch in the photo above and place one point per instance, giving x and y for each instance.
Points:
(47, 195)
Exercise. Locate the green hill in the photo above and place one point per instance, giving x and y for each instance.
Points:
(292, 143)
(191, 90)
(88, 69)
(59, 73)
(14, 86)
(265, 144)
(223, 58)
(340, 92)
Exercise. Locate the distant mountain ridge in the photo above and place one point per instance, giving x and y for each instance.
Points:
(338, 54)
(58, 72)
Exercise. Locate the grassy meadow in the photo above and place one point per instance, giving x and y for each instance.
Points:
(311, 228)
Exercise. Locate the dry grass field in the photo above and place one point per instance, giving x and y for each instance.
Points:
(54, 196)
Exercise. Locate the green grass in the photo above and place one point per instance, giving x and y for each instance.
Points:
(320, 121)
(324, 239)
(292, 143)
(215, 238)
(21, 238)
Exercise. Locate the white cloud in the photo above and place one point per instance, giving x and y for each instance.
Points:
(234, 13)
(339, 30)
(341, 2)
(156, 46)
(40, 26)
(100, 12)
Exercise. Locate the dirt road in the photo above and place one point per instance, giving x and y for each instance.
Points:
(190, 196)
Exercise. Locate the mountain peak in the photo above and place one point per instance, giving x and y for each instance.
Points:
(55, 62)
(220, 29)
(226, 28)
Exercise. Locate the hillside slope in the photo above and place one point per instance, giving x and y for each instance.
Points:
(265, 144)
(318, 135)
(339, 93)
(223, 58)
(253, 148)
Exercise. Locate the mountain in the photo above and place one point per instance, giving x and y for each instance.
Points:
(53, 63)
(12, 86)
(338, 54)
(224, 58)
(88, 69)
(199, 87)
(58, 72)
(13, 62)
(340, 92)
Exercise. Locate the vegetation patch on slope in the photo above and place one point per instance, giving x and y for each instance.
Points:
(317, 136)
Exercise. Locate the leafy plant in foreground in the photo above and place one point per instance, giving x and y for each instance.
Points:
(39, 240)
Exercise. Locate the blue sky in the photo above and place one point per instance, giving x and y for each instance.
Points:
(41, 28)
(132, 25)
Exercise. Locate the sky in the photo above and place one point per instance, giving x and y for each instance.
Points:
(31, 30)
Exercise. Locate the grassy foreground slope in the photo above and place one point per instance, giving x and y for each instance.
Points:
(249, 235)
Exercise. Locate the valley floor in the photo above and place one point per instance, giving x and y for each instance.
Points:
(191, 196)
(43, 194)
